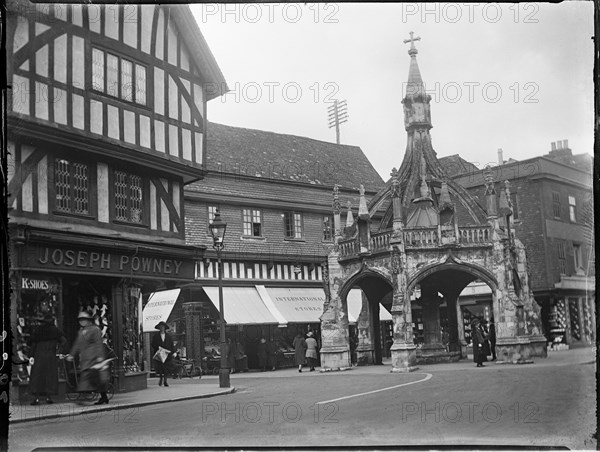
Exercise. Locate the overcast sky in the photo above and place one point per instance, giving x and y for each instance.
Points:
(510, 76)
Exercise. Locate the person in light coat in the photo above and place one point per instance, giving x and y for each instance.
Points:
(300, 351)
(311, 351)
(90, 349)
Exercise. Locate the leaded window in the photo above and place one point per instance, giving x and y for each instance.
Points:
(562, 258)
(128, 195)
(327, 228)
(118, 77)
(72, 187)
(556, 204)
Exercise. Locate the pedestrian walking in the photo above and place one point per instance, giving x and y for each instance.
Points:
(44, 374)
(492, 336)
(486, 343)
(262, 354)
(300, 350)
(90, 349)
(241, 360)
(163, 351)
(231, 353)
(477, 342)
(272, 350)
(311, 351)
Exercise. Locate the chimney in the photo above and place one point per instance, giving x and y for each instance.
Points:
(500, 157)
(565, 144)
(553, 144)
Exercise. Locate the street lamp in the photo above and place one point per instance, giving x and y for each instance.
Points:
(217, 231)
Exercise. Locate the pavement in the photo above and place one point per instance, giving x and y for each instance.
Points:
(208, 386)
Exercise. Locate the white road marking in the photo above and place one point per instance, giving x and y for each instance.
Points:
(427, 377)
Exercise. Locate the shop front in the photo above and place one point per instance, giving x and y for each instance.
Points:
(67, 275)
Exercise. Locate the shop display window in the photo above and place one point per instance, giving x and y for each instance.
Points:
(132, 337)
(574, 317)
(40, 296)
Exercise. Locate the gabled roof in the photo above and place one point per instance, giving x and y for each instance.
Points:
(259, 153)
(455, 165)
(198, 47)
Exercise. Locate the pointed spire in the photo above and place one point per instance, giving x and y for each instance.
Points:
(415, 82)
(349, 217)
(363, 211)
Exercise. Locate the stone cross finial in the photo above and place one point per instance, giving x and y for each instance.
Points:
(489, 181)
(395, 191)
(412, 40)
(336, 199)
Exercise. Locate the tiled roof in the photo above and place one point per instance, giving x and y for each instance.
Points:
(288, 157)
(454, 165)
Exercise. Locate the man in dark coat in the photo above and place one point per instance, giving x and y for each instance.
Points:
(272, 350)
(90, 349)
(493, 338)
(164, 340)
(477, 343)
(44, 373)
(262, 354)
(300, 350)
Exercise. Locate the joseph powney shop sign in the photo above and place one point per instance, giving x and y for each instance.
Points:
(87, 261)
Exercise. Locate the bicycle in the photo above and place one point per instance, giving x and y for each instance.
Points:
(186, 368)
(72, 376)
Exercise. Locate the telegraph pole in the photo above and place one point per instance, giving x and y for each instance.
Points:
(338, 114)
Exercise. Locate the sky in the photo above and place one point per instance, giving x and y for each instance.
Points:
(510, 76)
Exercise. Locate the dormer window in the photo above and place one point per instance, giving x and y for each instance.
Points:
(118, 77)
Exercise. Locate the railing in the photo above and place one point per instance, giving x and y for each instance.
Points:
(380, 241)
(475, 234)
(348, 247)
(421, 237)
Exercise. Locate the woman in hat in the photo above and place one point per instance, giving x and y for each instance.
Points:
(311, 350)
(44, 373)
(90, 349)
(164, 340)
(299, 350)
(478, 339)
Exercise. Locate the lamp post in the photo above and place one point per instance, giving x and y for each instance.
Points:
(217, 231)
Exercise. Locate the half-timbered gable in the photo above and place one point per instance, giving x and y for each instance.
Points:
(136, 76)
(66, 186)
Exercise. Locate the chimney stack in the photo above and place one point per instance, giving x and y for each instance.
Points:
(500, 157)
(565, 144)
(553, 144)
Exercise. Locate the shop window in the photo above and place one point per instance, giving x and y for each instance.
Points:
(252, 222)
(72, 187)
(118, 77)
(556, 204)
(574, 317)
(327, 228)
(572, 209)
(562, 258)
(293, 225)
(132, 351)
(128, 196)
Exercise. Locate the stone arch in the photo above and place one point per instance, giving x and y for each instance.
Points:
(363, 273)
(473, 269)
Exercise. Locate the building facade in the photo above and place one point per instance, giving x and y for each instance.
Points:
(273, 190)
(107, 122)
(553, 215)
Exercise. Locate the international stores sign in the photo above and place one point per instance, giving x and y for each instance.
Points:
(77, 260)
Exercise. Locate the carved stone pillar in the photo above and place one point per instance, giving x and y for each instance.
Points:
(193, 331)
(364, 325)
(431, 322)
(404, 354)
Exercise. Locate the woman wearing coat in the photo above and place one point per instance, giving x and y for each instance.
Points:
(164, 340)
(478, 340)
(311, 351)
(44, 373)
(90, 349)
(262, 354)
(300, 350)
